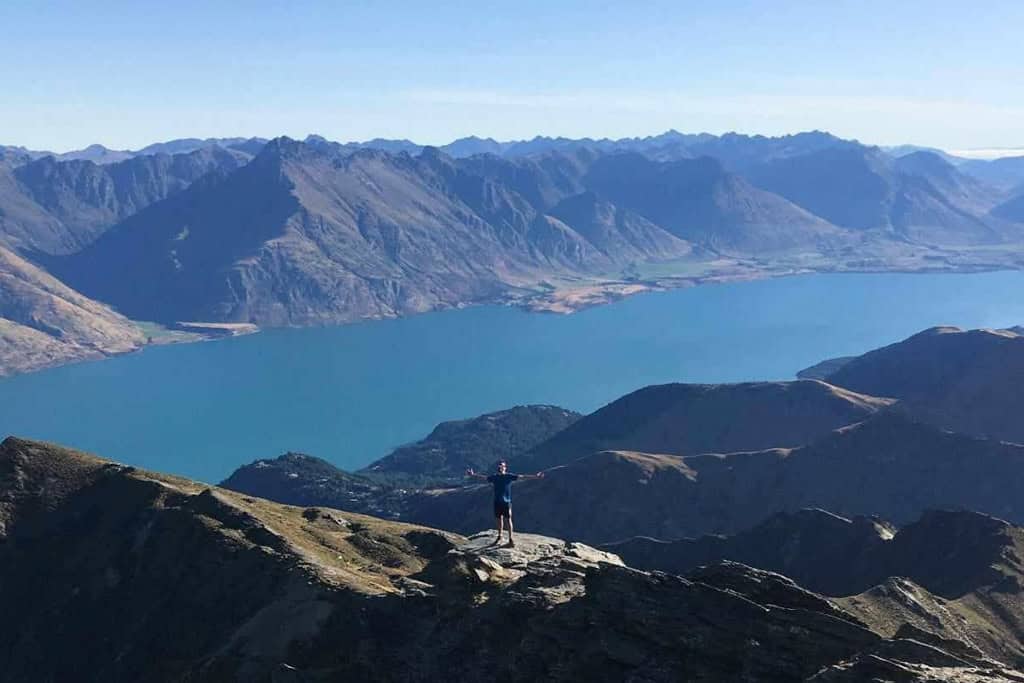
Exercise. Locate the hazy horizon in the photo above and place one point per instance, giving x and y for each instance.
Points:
(125, 76)
(981, 153)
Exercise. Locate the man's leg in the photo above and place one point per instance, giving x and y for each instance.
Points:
(501, 524)
(510, 541)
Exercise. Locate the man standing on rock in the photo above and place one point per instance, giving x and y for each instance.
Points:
(502, 482)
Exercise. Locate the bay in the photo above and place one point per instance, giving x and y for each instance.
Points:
(350, 393)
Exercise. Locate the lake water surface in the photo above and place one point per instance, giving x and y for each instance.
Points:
(348, 394)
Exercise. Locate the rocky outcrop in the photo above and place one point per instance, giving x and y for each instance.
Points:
(131, 575)
(817, 549)
(135, 575)
(952, 579)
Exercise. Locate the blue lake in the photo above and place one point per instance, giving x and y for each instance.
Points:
(348, 394)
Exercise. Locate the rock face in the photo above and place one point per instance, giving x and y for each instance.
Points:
(339, 236)
(315, 232)
(479, 442)
(344, 232)
(44, 323)
(949, 577)
(58, 207)
(817, 549)
(686, 419)
(966, 381)
(157, 578)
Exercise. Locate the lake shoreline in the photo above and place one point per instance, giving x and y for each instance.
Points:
(351, 393)
(564, 299)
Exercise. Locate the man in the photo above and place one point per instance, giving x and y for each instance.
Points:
(502, 482)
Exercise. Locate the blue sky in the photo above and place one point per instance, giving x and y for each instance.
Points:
(126, 74)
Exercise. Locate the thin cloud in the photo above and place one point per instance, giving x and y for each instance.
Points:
(988, 153)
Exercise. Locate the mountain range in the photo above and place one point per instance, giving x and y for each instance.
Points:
(886, 575)
(679, 460)
(850, 538)
(58, 207)
(283, 232)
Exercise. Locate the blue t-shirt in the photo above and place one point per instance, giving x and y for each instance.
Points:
(502, 486)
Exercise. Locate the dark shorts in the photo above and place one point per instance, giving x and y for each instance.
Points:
(502, 509)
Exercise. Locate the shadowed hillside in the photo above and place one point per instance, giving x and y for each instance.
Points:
(44, 323)
(245, 589)
(959, 573)
(967, 381)
(685, 419)
(62, 206)
(478, 443)
(889, 466)
(341, 235)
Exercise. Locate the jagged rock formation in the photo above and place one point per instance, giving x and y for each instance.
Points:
(950, 579)
(343, 232)
(819, 550)
(59, 207)
(44, 323)
(968, 595)
(158, 578)
(967, 381)
(479, 442)
(338, 237)
(316, 232)
(953, 579)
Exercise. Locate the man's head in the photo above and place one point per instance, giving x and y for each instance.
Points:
(502, 467)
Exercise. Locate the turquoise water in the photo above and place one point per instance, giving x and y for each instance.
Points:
(349, 394)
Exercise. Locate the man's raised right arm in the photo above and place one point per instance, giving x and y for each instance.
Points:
(473, 475)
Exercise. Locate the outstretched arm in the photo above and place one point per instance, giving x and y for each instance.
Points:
(539, 475)
(473, 475)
